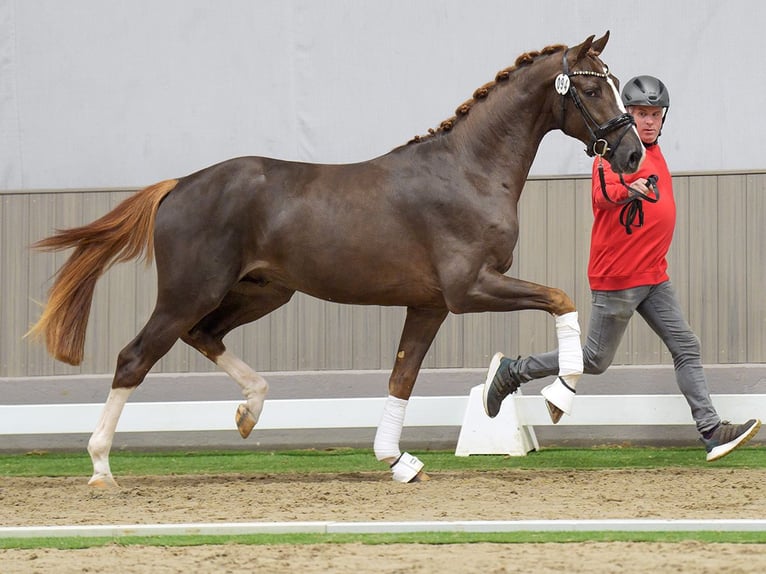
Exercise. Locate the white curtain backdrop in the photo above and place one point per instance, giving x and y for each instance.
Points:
(106, 93)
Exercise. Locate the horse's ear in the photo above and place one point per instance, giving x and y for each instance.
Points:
(598, 45)
(582, 49)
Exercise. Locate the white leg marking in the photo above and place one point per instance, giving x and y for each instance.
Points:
(254, 386)
(100, 442)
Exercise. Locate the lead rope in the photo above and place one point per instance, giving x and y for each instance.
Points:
(633, 206)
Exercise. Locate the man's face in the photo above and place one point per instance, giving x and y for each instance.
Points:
(648, 122)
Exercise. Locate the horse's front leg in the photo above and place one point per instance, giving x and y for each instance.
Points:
(493, 291)
(420, 328)
(559, 395)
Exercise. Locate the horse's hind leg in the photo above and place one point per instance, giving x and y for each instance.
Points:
(100, 442)
(420, 328)
(246, 303)
(134, 361)
(180, 304)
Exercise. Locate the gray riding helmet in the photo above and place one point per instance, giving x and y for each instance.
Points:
(645, 91)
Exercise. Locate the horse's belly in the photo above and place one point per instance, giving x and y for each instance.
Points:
(368, 285)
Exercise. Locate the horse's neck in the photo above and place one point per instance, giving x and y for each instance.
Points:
(504, 132)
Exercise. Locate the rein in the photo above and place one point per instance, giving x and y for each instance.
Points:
(632, 206)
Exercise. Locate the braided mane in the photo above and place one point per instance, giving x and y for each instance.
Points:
(482, 92)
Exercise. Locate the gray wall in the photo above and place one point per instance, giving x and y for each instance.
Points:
(716, 263)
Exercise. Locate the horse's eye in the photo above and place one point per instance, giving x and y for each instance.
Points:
(593, 92)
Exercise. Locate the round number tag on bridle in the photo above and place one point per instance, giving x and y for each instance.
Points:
(562, 84)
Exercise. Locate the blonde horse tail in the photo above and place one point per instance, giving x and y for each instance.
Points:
(121, 235)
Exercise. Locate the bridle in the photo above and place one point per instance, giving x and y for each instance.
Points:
(598, 146)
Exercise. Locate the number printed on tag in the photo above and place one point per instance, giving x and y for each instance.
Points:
(562, 84)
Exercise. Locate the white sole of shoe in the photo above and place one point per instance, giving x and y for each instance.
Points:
(724, 449)
(494, 365)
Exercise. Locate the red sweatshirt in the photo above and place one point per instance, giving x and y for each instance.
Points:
(621, 261)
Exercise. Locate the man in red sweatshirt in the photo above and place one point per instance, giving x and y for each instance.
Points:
(632, 230)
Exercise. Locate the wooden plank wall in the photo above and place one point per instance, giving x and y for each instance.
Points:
(717, 263)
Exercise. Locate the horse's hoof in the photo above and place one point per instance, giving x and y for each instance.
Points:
(421, 477)
(407, 469)
(245, 421)
(554, 412)
(103, 482)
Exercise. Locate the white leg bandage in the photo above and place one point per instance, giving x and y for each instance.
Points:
(562, 391)
(390, 429)
(405, 467)
(570, 347)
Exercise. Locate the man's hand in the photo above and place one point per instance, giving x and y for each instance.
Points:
(638, 187)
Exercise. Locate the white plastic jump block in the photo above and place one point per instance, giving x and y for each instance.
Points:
(505, 434)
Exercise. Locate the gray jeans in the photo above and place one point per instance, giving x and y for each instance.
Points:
(659, 306)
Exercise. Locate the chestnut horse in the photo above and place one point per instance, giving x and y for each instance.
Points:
(430, 226)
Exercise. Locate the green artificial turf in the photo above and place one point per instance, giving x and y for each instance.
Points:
(354, 460)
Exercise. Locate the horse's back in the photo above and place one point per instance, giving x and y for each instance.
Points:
(305, 226)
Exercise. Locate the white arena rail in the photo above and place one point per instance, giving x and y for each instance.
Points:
(363, 413)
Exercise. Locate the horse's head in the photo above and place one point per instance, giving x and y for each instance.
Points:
(589, 108)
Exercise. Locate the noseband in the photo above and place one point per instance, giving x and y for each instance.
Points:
(598, 144)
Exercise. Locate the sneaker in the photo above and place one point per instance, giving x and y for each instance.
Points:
(726, 437)
(501, 382)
